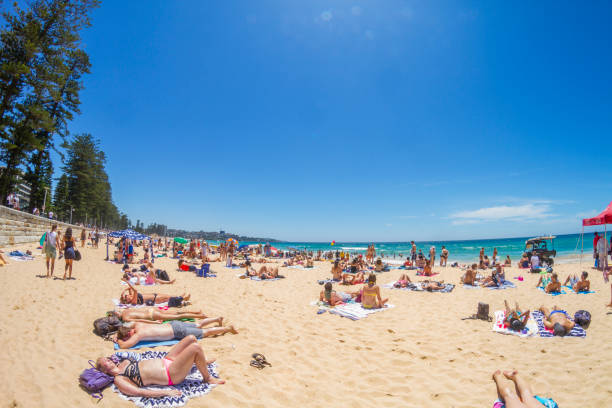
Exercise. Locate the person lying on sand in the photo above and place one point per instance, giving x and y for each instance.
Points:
(152, 314)
(403, 281)
(557, 321)
(265, 272)
(497, 278)
(515, 318)
(131, 376)
(553, 286)
(131, 296)
(149, 277)
(370, 294)
(515, 393)
(579, 285)
(353, 279)
(333, 298)
(432, 285)
(131, 334)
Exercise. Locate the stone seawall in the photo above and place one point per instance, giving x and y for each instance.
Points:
(17, 227)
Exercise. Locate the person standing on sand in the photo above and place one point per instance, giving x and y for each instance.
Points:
(50, 247)
(481, 255)
(432, 256)
(494, 256)
(413, 252)
(602, 252)
(444, 256)
(83, 237)
(69, 255)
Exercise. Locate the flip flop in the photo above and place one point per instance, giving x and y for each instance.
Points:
(256, 364)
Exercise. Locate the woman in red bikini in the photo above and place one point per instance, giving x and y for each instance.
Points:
(131, 376)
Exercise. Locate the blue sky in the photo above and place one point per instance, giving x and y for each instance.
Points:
(354, 120)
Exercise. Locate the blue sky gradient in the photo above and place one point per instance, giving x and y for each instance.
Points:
(354, 120)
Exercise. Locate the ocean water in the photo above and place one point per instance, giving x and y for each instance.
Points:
(568, 248)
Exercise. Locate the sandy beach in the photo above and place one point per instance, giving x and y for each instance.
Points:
(418, 354)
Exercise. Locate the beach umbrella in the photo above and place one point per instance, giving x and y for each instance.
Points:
(230, 240)
(181, 240)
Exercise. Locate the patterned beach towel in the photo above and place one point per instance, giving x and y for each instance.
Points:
(577, 331)
(257, 278)
(417, 287)
(120, 305)
(193, 386)
(150, 344)
(500, 326)
(353, 311)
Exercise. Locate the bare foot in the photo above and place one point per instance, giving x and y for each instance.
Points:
(511, 375)
(187, 296)
(496, 374)
(609, 305)
(232, 330)
(213, 380)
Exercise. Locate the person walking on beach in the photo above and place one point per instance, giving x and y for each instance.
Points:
(50, 247)
(413, 252)
(443, 256)
(69, 255)
(83, 237)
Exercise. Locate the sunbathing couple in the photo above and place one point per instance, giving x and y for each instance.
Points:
(133, 333)
(369, 295)
(131, 376)
(472, 278)
(146, 276)
(515, 392)
(265, 272)
(131, 296)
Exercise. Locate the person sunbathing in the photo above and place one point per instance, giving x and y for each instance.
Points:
(557, 321)
(150, 278)
(370, 294)
(133, 333)
(497, 278)
(579, 285)
(515, 318)
(403, 281)
(131, 296)
(264, 272)
(379, 266)
(469, 278)
(131, 376)
(524, 262)
(333, 298)
(554, 286)
(309, 263)
(336, 271)
(507, 262)
(151, 314)
(353, 279)
(427, 269)
(432, 285)
(517, 393)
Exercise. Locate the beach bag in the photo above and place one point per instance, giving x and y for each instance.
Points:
(483, 311)
(77, 255)
(583, 318)
(106, 325)
(163, 275)
(94, 380)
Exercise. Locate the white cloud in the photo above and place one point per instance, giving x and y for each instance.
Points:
(523, 212)
(326, 15)
(356, 10)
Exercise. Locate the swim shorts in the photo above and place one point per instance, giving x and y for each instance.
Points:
(184, 329)
(50, 251)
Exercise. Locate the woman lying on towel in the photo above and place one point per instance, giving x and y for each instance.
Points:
(557, 321)
(131, 334)
(353, 279)
(370, 295)
(432, 285)
(515, 318)
(265, 272)
(516, 392)
(131, 296)
(403, 281)
(334, 298)
(149, 277)
(131, 376)
(152, 314)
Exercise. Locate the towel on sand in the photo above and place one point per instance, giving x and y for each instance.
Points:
(150, 344)
(353, 311)
(500, 326)
(257, 278)
(505, 285)
(584, 292)
(552, 293)
(134, 281)
(193, 386)
(577, 331)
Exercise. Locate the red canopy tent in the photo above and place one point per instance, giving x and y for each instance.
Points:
(604, 218)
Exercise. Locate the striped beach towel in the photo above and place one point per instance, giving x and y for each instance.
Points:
(577, 331)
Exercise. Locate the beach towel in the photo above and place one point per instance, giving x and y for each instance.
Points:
(500, 326)
(352, 310)
(20, 256)
(150, 344)
(577, 331)
(421, 274)
(120, 305)
(584, 292)
(257, 278)
(505, 285)
(193, 386)
(546, 402)
(552, 293)
(471, 286)
(134, 281)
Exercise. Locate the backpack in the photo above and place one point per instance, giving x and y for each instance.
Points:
(583, 318)
(163, 275)
(94, 380)
(106, 325)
